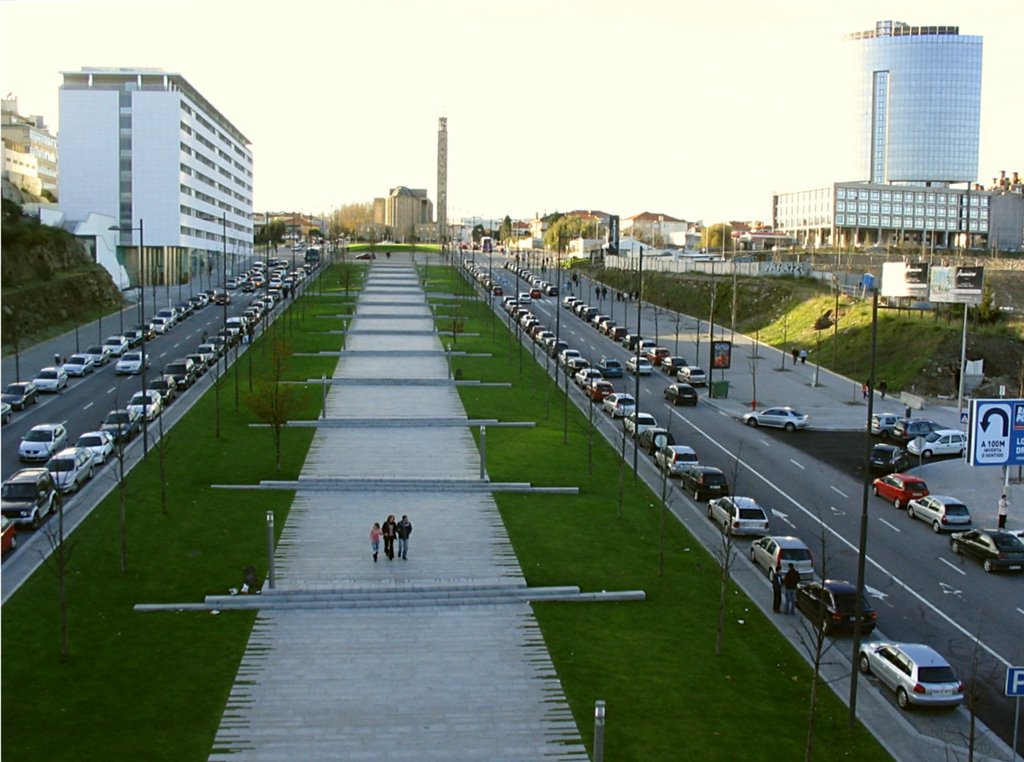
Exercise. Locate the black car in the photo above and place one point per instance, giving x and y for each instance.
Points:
(671, 365)
(123, 424)
(681, 394)
(21, 394)
(911, 428)
(996, 550)
(28, 496)
(183, 371)
(831, 606)
(166, 388)
(888, 459)
(654, 438)
(134, 337)
(703, 482)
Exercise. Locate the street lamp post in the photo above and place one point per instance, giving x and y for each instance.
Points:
(142, 311)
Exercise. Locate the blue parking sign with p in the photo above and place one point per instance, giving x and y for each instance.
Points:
(1015, 681)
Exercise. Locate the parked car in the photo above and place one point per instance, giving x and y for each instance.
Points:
(99, 443)
(566, 355)
(882, 424)
(681, 394)
(652, 439)
(941, 442)
(79, 365)
(574, 365)
(8, 535)
(5, 412)
(20, 394)
(887, 458)
(619, 405)
(70, 468)
(639, 366)
(831, 605)
(635, 422)
(116, 345)
(51, 380)
(703, 482)
(693, 375)
(42, 441)
(739, 515)
(183, 371)
(99, 354)
(147, 404)
(132, 363)
(673, 459)
(161, 325)
(657, 354)
(122, 424)
(599, 389)
(899, 489)
(995, 549)
(911, 428)
(917, 673)
(673, 364)
(28, 496)
(780, 417)
(610, 367)
(774, 554)
(167, 388)
(944, 513)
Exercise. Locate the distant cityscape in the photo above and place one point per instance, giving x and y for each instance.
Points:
(144, 144)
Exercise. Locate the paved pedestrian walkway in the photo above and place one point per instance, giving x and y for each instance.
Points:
(452, 680)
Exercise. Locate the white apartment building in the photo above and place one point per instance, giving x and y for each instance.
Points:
(142, 146)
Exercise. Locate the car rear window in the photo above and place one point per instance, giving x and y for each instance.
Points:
(846, 603)
(1007, 542)
(909, 484)
(796, 554)
(751, 514)
(713, 479)
(942, 674)
(956, 509)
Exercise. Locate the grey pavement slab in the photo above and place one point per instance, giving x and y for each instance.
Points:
(437, 682)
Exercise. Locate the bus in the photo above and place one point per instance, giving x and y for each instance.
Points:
(486, 243)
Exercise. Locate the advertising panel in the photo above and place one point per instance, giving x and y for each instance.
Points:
(957, 285)
(901, 279)
(721, 355)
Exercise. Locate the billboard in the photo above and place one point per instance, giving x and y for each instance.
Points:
(721, 355)
(905, 279)
(995, 433)
(613, 234)
(957, 285)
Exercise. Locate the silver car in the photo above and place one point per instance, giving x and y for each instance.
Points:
(775, 554)
(619, 405)
(635, 423)
(71, 468)
(917, 673)
(779, 417)
(944, 513)
(738, 515)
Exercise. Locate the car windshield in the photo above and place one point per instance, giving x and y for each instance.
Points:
(956, 509)
(94, 350)
(19, 491)
(796, 554)
(116, 418)
(90, 442)
(931, 437)
(61, 464)
(132, 357)
(37, 435)
(943, 674)
(15, 389)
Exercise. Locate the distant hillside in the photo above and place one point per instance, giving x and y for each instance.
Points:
(49, 280)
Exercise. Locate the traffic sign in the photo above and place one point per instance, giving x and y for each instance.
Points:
(996, 433)
(1015, 681)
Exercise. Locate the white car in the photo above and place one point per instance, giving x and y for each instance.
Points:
(131, 363)
(944, 513)
(640, 366)
(116, 345)
(147, 403)
(99, 443)
(566, 355)
(160, 324)
(692, 375)
(941, 442)
(738, 515)
(42, 441)
(780, 417)
(51, 380)
(618, 405)
(674, 459)
(79, 365)
(587, 375)
(917, 673)
(524, 298)
(638, 422)
(71, 468)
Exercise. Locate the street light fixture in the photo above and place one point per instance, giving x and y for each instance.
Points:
(142, 325)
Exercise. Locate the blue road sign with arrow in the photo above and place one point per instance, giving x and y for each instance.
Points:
(996, 433)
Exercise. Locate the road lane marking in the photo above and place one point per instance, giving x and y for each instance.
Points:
(111, 390)
(163, 354)
(836, 489)
(814, 518)
(802, 468)
(88, 406)
(765, 442)
(954, 568)
(1021, 611)
(891, 526)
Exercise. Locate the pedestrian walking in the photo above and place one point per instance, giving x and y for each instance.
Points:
(56, 359)
(864, 390)
(883, 388)
(803, 356)
(789, 583)
(388, 531)
(776, 593)
(404, 530)
(375, 540)
(1004, 505)
(796, 355)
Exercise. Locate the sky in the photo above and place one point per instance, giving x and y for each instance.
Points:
(700, 109)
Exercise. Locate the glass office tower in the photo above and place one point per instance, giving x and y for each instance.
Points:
(919, 103)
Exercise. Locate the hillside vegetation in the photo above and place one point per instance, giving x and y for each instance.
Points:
(917, 351)
(50, 281)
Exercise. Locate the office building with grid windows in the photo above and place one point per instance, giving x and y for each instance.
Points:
(144, 144)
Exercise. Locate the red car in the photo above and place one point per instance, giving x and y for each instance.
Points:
(7, 538)
(656, 354)
(535, 293)
(598, 390)
(899, 489)
(497, 291)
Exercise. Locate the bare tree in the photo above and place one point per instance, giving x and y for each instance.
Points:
(274, 402)
(979, 679)
(726, 555)
(58, 561)
(161, 446)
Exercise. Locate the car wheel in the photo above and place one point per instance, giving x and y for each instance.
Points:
(88, 475)
(910, 511)
(988, 565)
(37, 519)
(864, 664)
(824, 627)
(790, 427)
(711, 513)
(901, 699)
(936, 527)
(926, 454)
(696, 496)
(752, 422)
(897, 504)
(874, 490)
(955, 546)
(14, 542)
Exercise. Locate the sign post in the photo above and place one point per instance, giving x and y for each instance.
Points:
(996, 432)
(1015, 688)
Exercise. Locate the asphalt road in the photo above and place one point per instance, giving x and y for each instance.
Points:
(813, 484)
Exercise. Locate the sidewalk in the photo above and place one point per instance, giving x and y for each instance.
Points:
(407, 669)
